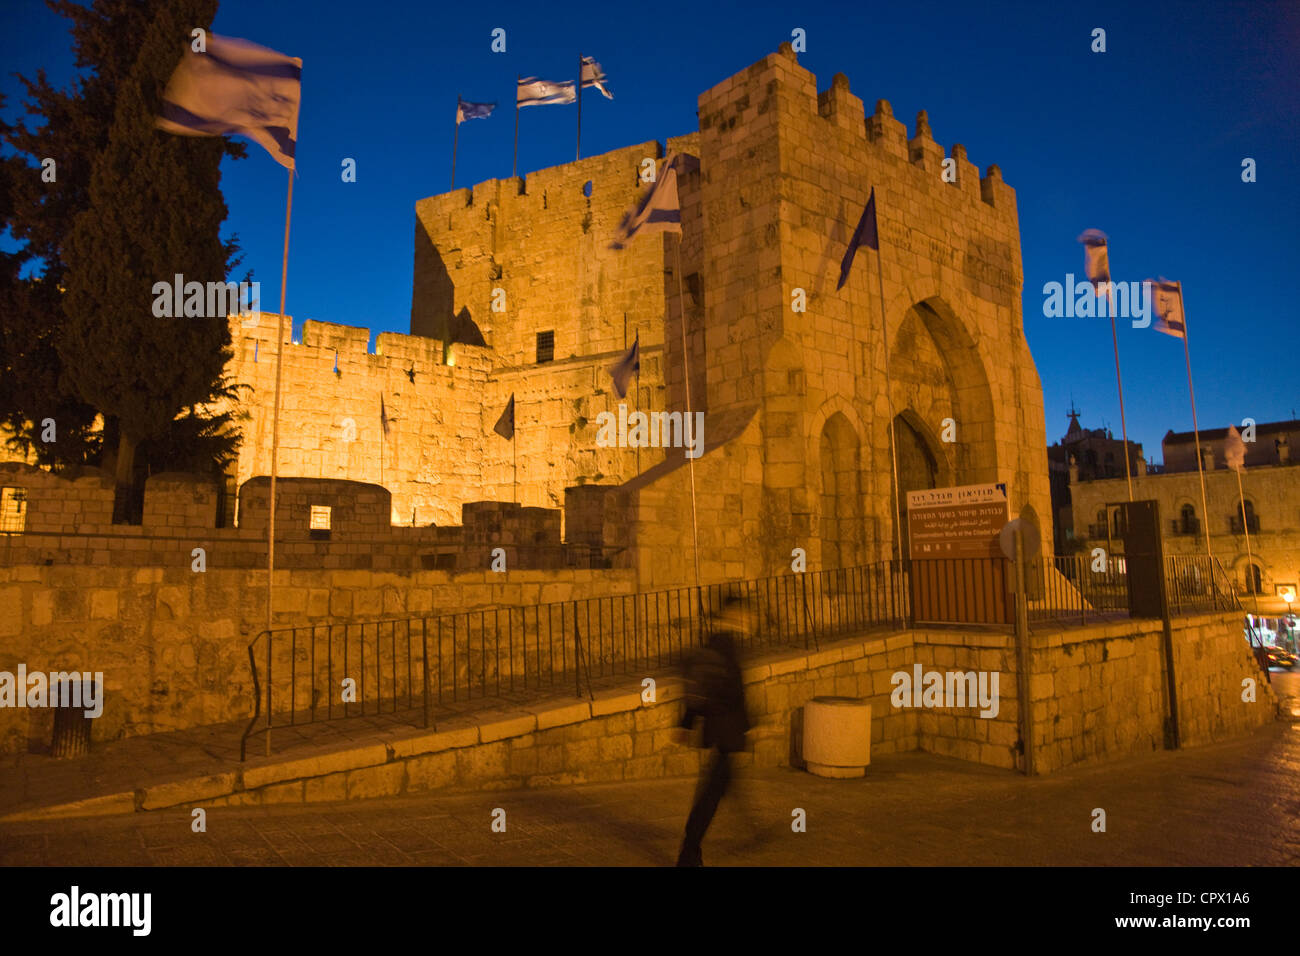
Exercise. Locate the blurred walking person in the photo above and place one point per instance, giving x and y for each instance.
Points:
(715, 695)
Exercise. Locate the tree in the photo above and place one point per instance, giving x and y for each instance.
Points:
(150, 208)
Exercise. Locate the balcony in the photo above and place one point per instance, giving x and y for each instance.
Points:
(1187, 525)
(1251, 524)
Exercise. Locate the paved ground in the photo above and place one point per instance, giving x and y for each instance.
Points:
(1228, 804)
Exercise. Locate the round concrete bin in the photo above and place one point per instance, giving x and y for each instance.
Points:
(837, 736)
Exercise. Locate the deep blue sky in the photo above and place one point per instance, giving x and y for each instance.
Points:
(1144, 141)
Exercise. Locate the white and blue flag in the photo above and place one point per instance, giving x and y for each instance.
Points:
(236, 87)
(660, 210)
(593, 75)
(535, 92)
(465, 110)
(1096, 259)
(629, 365)
(1167, 303)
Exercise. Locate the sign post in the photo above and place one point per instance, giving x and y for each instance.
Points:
(959, 575)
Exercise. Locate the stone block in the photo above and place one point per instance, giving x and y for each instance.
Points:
(386, 780)
(193, 790)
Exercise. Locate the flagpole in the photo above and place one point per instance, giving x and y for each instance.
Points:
(455, 141)
(690, 417)
(514, 170)
(1114, 336)
(1245, 527)
(275, 415)
(578, 151)
(514, 444)
(1196, 431)
(889, 403)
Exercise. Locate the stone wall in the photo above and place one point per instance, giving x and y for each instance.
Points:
(173, 644)
(621, 736)
(1102, 691)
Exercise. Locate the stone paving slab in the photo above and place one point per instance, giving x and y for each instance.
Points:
(1228, 804)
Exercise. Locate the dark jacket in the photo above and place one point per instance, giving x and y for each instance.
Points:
(715, 694)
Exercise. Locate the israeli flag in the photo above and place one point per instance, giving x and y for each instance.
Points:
(535, 92)
(593, 75)
(466, 110)
(1167, 303)
(1096, 260)
(629, 365)
(236, 87)
(660, 210)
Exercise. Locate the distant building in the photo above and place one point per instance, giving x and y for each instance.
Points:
(1098, 454)
(1270, 486)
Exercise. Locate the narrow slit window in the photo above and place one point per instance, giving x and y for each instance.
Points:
(545, 346)
(320, 521)
(13, 510)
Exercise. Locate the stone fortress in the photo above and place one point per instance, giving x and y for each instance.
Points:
(516, 292)
(799, 416)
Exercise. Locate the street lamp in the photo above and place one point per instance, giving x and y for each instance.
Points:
(1288, 595)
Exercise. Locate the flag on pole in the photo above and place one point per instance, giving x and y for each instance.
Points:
(505, 426)
(629, 365)
(466, 110)
(383, 415)
(866, 234)
(1234, 449)
(236, 87)
(659, 210)
(534, 92)
(1096, 260)
(1167, 303)
(594, 75)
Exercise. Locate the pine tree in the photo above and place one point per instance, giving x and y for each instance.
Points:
(155, 210)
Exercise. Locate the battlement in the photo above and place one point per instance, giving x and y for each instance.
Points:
(778, 87)
(347, 347)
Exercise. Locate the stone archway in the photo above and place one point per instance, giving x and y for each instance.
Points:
(919, 467)
(841, 525)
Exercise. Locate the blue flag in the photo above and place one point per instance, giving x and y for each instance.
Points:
(466, 110)
(505, 426)
(864, 235)
(629, 365)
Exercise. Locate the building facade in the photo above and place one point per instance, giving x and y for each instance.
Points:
(802, 388)
(1254, 531)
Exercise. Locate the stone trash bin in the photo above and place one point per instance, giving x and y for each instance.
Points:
(837, 736)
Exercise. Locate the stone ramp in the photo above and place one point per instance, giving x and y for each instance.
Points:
(202, 763)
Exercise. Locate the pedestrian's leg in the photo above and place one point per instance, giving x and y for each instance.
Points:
(706, 804)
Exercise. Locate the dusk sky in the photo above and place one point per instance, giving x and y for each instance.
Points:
(1144, 141)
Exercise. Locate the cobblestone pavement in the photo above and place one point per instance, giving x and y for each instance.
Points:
(1227, 804)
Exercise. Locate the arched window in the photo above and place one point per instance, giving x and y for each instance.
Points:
(1253, 579)
(1246, 518)
(1187, 523)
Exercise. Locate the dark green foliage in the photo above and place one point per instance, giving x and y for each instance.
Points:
(131, 206)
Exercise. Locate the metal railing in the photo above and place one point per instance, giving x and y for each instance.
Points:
(412, 666)
(1251, 524)
(1075, 587)
(1078, 587)
(1193, 583)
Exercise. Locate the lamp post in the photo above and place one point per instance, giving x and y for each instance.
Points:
(1288, 595)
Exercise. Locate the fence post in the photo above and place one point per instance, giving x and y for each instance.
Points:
(1023, 657)
(424, 657)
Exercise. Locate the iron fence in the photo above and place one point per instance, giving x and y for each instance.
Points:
(1077, 587)
(415, 665)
